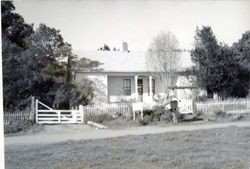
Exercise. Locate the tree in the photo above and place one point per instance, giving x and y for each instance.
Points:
(233, 80)
(29, 58)
(32, 61)
(206, 56)
(242, 49)
(106, 47)
(70, 95)
(14, 28)
(14, 34)
(242, 54)
(218, 69)
(162, 58)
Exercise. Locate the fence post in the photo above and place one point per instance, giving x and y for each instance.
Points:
(82, 113)
(194, 107)
(32, 112)
(142, 111)
(223, 106)
(133, 110)
(59, 116)
(247, 103)
(36, 111)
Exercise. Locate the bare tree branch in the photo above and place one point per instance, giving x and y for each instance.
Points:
(163, 56)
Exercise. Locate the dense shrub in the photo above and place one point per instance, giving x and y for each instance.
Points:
(221, 116)
(146, 120)
(158, 113)
(98, 118)
(17, 127)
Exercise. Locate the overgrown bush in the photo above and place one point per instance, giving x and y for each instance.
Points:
(73, 95)
(221, 116)
(98, 118)
(158, 113)
(17, 127)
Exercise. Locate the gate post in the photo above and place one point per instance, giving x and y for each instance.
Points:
(36, 110)
(32, 112)
(59, 116)
(194, 107)
(82, 113)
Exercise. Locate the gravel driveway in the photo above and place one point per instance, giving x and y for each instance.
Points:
(60, 133)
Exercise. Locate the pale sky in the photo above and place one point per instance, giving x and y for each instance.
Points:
(87, 25)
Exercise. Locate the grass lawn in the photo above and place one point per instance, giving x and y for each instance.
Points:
(227, 148)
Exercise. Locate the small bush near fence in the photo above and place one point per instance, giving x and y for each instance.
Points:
(17, 127)
(220, 116)
(17, 121)
(98, 118)
(158, 113)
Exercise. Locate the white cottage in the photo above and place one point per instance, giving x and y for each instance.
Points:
(126, 77)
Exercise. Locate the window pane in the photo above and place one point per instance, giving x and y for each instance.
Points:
(127, 86)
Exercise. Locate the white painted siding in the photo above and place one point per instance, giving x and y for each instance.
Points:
(111, 87)
(115, 84)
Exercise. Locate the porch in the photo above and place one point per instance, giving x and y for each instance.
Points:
(126, 88)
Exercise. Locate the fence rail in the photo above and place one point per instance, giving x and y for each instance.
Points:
(226, 105)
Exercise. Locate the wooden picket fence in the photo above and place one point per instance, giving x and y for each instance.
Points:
(224, 105)
(17, 116)
(47, 115)
(111, 109)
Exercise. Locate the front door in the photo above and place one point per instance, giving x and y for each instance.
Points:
(140, 89)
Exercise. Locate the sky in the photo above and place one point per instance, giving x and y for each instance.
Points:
(87, 25)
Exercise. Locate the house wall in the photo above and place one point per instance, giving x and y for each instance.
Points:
(115, 84)
(110, 87)
(184, 94)
(115, 88)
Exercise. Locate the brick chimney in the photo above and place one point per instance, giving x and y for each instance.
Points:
(124, 46)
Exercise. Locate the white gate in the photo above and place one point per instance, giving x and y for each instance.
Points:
(48, 115)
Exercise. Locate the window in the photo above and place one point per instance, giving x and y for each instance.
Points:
(153, 86)
(127, 87)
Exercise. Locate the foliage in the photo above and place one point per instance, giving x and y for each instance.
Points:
(81, 94)
(69, 94)
(145, 121)
(205, 56)
(31, 71)
(29, 58)
(105, 48)
(242, 49)
(85, 64)
(163, 56)
(98, 118)
(33, 62)
(14, 28)
(18, 127)
(218, 69)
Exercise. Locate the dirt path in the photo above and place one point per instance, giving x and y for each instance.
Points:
(60, 133)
